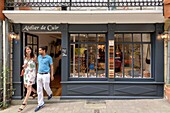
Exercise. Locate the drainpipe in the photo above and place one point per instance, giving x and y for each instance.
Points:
(168, 59)
(165, 60)
(4, 65)
(167, 51)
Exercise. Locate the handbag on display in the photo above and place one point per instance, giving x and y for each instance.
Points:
(148, 53)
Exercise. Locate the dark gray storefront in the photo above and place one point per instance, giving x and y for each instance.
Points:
(125, 76)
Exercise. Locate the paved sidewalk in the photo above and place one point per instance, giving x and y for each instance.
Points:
(97, 106)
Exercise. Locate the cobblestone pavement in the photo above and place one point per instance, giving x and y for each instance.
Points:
(97, 106)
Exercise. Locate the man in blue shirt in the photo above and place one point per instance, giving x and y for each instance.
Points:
(45, 73)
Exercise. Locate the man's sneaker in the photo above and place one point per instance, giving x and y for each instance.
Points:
(49, 97)
(38, 108)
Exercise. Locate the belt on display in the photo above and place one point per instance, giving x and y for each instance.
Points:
(43, 73)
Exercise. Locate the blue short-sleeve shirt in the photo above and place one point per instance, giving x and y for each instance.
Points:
(44, 63)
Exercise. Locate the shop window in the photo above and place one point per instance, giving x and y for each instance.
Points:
(87, 55)
(133, 55)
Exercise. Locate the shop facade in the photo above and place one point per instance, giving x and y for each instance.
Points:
(102, 60)
(108, 48)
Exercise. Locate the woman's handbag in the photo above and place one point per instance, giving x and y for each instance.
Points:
(148, 53)
(22, 72)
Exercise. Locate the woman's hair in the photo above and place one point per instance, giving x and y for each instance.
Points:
(31, 54)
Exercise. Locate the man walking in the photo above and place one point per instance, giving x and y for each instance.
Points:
(45, 73)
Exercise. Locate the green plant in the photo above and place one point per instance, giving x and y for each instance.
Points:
(7, 94)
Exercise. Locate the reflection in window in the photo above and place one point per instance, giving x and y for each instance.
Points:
(87, 55)
(133, 56)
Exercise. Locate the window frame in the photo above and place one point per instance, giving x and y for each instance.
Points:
(142, 43)
(97, 43)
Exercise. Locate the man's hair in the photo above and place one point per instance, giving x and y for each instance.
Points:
(44, 48)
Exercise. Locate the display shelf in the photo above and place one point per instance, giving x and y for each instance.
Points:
(111, 59)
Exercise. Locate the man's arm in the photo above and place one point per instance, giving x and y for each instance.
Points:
(51, 74)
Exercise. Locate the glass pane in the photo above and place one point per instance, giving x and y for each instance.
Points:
(30, 45)
(83, 37)
(92, 38)
(146, 61)
(118, 60)
(119, 37)
(137, 60)
(101, 37)
(73, 37)
(128, 60)
(101, 61)
(35, 49)
(74, 58)
(35, 40)
(127, 37)
(29, 39)
(92, 60)
(83, 60)
(146, 37)
(136, 37)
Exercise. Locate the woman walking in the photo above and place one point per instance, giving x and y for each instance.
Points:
(29, 74)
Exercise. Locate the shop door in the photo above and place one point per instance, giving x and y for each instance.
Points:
(32, 41)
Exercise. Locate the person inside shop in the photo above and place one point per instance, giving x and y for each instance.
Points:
(29, 74)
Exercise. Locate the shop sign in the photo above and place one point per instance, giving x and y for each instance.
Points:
(47, 28)
(64, 52)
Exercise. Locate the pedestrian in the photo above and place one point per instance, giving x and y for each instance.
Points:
(45, 73)
(29, 74)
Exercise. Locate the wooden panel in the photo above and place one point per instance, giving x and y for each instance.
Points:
(85, 89)
(88, 28)
(135, 27)
(1, 9)
(135, 90)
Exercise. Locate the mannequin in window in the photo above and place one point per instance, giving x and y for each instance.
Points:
(92, 69)
(102, 54)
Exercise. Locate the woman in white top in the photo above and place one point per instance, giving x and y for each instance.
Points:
(29, 74)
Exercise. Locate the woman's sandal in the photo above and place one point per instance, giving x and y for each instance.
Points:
(34, 95)
(22, 107)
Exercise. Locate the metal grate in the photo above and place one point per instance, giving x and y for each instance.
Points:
(85, 3)
(96, 111)
(95, 102)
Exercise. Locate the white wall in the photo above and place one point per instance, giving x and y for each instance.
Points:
(45, 40)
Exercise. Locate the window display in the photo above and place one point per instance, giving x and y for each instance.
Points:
(133, 55)
(87, 55)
